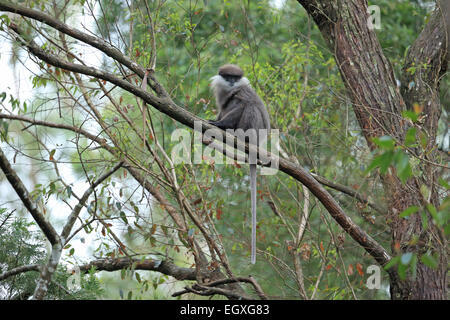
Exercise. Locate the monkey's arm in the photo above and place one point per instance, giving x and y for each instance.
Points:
(230, 120)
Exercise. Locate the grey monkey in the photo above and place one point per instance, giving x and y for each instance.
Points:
(240, 107)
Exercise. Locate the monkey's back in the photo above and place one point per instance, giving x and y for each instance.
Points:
(254, 113)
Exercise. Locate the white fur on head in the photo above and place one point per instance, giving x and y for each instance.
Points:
(218, 83)
(221, 87)
(242, 82)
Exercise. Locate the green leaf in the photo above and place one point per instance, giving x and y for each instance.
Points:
(423, 139)
(429, 261)
(409, 211)
(432, 210)
(410, 139)
(386, 160)
(424, 220)
(138, 277)
(69, 191)
(403, 167)
(383, 162)
(401, 270)
(444, 183)
(425, 191)
(394, 261)
(447, 229)
(413, 266)
(385, 142)
(123, 216)
(408, 114)
(5, 126)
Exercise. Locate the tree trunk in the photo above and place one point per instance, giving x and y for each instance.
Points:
(378, 104)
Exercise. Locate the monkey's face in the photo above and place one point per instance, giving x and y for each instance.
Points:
(227, 82)
(231, 79)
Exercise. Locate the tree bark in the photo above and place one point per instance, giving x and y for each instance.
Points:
(378, 105)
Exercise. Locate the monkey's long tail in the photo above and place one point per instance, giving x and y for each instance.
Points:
(253, 200)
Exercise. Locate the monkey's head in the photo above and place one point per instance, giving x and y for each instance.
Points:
(229, 76)
(231, 73)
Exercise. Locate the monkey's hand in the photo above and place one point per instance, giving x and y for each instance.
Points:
(216, 123)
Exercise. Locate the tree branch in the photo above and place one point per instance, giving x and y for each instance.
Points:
(204, 290)
(81, 203)
(162, 266)
(350, 192)
(19, 270)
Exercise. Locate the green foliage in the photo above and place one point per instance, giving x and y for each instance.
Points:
(22, 245)
(392, 155)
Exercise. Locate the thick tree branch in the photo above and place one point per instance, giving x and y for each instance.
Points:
(444, 7)
(210, 289)
(162, 266)
(19, 270)
(203, 290)
(47, 272)
(221, 282)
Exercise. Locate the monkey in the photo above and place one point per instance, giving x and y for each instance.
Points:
(240, 107)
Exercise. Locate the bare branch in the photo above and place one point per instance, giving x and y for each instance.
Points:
(203, 290)
(250, 280)
(350, 192)
(162, 266)
(19, 270)
(76, 210)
